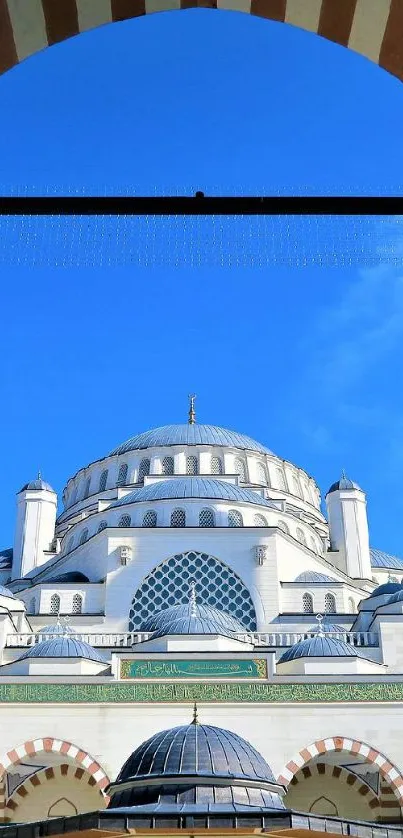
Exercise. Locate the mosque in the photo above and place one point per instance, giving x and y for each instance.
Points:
(192, 564)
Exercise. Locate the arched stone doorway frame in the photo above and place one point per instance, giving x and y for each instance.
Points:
(352, 746)
(66, 749)
(46, 775)
(369, 27)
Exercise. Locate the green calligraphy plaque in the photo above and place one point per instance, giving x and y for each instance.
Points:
(172, 669)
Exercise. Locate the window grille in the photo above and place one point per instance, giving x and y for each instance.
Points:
(307, 604)
(206, 518)
(259, 521)
(55, 604)
(330, 604)
(283, 526)
(144, 469)
(178, 518)
(280, 479)
(235, 518)
(32, 605)
(122, 475)
(240, 469)
(216, 465)
(261, 474)
(125, 521)
(150, 519)
(103, 480)
(70, 544)
(87, 487)
(301, 536)
(191, 465)
(84, 536)
(216, 584)
(168, 465)
(102, 526)
(77, 606)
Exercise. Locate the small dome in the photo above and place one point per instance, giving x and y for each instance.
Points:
(196, 750)
(381, 559)
(396, 597)
(182, 488)
(64, 647)
(37, 485)
(386, 588)
(57, 628)
(187, 434)
(343, 483)
(319, 646)
(6, 592)
(192, 618)
(328, 628)
(313, 577)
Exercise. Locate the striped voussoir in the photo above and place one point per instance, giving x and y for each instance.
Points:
(46, 775)
(350, 746)
(370, 27)
(342, 774)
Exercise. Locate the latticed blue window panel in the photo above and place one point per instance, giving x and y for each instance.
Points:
(216, 465)
(144, 469)
(168, 465)
(169, 584)
(103, 480)
(122, 476)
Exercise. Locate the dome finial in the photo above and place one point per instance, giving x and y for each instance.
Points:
(192, 599)
(39, 474)
(192, 413)
(320, 632)
(195, 720)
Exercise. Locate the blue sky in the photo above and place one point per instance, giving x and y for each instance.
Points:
(308, 359)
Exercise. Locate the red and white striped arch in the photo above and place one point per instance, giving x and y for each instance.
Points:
(370, 27)
(351, 746)
(55, 746)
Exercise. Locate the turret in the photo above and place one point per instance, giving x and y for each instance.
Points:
(35, 527)
(348, 525)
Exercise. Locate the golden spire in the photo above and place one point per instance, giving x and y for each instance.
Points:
(192, 414)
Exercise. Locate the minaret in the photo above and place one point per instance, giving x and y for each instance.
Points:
(348, 525)
(35, 527)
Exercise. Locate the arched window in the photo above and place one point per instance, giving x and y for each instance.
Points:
(84, 536)
(216, 465)
(301, 536)
(240, 469)
(70, 544)
(150, 519)
(307, 604)
(235, 518)
(77, 606)
(125, 521)
(102, 526)
(191, 465)
(167, 584)
(297, 487)
(280, 479)
(283, 526)
(144, 469)
(103, 480)
(87, 487)
(206, 518)
(351, 605)
(32, 605)
(259, 521)
(54, 604)
(122, 474)
(168, 465)
(330, 604)
(178, 518)
(261, 474)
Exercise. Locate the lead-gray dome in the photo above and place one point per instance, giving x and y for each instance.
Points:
(381, 559)
(193, 487)
(319, 646)
(192, 618)
(188, 434)
(37, 485)
(343, 483)
(64, 647)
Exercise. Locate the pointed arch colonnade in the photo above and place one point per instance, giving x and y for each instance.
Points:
(369, 27)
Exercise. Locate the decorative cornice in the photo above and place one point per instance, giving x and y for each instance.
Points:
(129, 692)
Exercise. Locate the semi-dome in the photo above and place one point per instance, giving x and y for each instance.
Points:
(328, 627)
(37, 485)
(381, 559)
(57, 628)
(190, 434)
(319, 646)
(193, 487)
(64, 647)
(201, 766)
(192, 618)
(313, 577)
(343, 483)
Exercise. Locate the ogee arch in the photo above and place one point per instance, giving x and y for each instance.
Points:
(370, 27)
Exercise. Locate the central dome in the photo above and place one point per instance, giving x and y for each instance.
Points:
(190, 435)
(193, 487)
